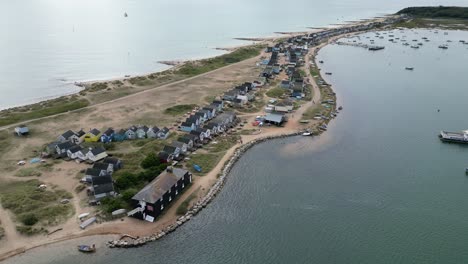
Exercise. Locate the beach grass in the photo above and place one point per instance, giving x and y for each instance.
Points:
(28, 172)
(53, 107)
(222, 144)
(179, 109)
(198, 67)
(183, 207)
(276, 92)
(33, 207)
(455, 24)
(207, 161)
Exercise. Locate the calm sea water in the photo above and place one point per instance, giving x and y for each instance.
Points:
(378, 187)
(47, 45)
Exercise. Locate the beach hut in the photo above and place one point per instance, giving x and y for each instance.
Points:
(92, 136)
(22, 130)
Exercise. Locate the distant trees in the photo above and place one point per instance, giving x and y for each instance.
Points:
(436, 12)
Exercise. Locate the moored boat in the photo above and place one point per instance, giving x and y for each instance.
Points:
(454, 137)
(86, 248)
(409, 68)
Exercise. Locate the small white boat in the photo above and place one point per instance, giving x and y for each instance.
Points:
(87, 249)
(307, 134)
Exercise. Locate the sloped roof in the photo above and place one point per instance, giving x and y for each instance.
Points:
(169, 149)
(109, 132)
(103, 188)
(273, 117)
(80, 133)
(65, 145)
(93, 172)
(187, 124)
(75, 149)
(144, 128)
(155, 190)
(68, 134)
(155, 129)
(101, 165)
(97, 180)
(111, 160)
(95, 131)
(97, 150)
(184, 139)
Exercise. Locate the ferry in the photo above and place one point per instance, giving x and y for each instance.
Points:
(454, 137)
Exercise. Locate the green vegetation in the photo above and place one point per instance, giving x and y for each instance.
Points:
(207, 161)
(97, 86)
(48, 108)
(454, 24)
(140, 81)
(28, 172)
(222, 144)
(129, 181)
(206, 65)
(436, 12)
(313, 111)
(29, 230)
(276, 92)
(179, 109)
(183, 207)
(33, 206)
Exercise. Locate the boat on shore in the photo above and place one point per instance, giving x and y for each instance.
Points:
(87, 249)
(454, 137)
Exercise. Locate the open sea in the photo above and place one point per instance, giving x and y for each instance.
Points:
(377, 187)
(47, 45)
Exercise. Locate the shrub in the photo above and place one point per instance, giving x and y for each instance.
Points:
(128, 194)
(150, 161)
(29, 219)
(112, 204)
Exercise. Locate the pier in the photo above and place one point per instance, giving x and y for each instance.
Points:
(361, 45)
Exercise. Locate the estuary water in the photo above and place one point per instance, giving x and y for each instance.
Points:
(47, 45)
(378, 187)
